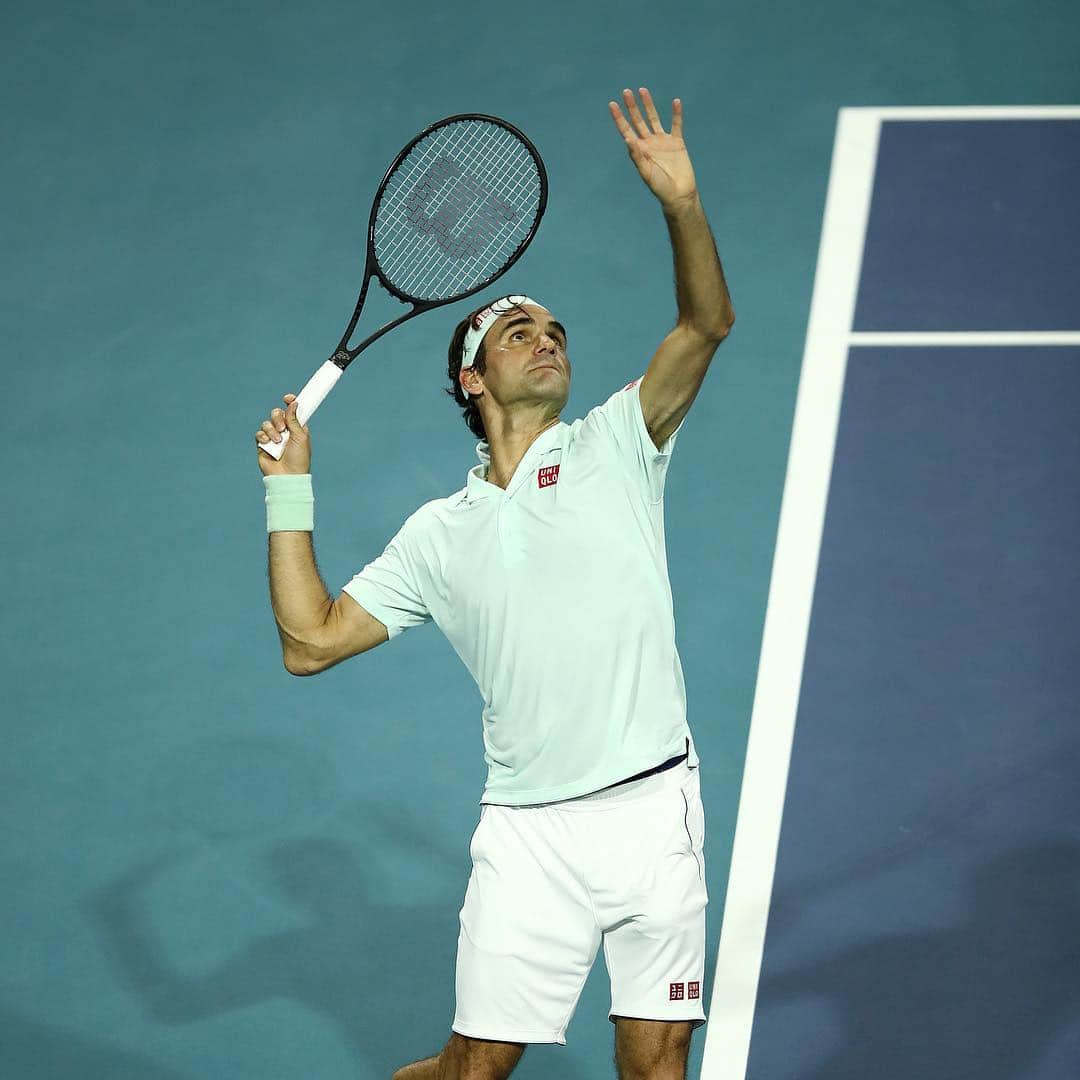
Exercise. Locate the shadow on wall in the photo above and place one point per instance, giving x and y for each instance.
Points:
(363, 957)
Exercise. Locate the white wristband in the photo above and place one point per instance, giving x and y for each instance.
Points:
(290, 503)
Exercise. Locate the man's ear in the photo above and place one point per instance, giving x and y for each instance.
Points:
(471, 379)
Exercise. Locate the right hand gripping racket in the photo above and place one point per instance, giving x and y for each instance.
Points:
(455, 210)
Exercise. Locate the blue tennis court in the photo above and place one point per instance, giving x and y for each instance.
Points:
(926, 885)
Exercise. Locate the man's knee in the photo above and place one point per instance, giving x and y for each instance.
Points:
(465, 1058)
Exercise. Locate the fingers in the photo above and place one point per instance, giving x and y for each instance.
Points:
(271, 429)
(643, 130)
(650, 109)
(635, 114)
(620, 122)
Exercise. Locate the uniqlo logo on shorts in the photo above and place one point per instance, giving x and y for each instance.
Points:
(694, 990)
(547, 477)
(677, 992)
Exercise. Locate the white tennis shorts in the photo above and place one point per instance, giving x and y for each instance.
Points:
(549, 882)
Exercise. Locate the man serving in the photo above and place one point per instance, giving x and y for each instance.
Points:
(547, 572)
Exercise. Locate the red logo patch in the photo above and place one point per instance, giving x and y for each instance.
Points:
(695, 990)
(547, 477)
(676, 992)
(634, 383)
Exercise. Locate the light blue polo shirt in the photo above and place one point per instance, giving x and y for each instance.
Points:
(555, 594)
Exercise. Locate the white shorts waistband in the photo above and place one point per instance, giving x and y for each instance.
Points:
(674, 776)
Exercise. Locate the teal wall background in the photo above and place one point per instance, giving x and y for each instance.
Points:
(212, 868)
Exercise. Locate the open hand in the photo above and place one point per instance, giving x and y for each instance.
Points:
(661, 158)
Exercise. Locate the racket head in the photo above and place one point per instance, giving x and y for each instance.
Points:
(456, 209)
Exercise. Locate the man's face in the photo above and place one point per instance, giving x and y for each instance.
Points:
(525, 358)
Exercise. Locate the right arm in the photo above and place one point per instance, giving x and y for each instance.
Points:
(298, 597)
(316, 632)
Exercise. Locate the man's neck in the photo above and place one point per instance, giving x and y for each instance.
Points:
(508, 448)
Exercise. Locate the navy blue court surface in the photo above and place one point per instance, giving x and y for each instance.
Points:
(926, 890)
(974, 225)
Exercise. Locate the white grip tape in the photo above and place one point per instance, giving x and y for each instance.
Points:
(307, 401)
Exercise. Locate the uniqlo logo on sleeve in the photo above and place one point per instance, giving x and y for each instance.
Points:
(677, 992)
(694, 990)
(547, 477)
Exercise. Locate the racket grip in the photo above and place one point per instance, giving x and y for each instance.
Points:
(307, 401)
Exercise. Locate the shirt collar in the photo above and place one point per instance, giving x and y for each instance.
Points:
(478, 488)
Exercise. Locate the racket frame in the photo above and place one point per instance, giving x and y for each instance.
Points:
(343, 355)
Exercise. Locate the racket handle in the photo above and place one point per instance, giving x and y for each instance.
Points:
(307, 401)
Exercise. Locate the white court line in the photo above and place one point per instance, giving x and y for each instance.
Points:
(997, 337)
(798, 542)
(787, 616)
(972, 112)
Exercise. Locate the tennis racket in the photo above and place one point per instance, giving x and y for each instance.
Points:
(455, 211)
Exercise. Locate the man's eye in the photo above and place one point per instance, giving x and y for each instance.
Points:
(521, 333)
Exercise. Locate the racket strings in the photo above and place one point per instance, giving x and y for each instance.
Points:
(457, 208)
(483, 223)
(487, 236)
(464, 196)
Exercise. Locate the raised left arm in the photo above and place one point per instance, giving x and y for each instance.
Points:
(705, 316)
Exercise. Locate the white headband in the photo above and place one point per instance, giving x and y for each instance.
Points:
(481, 324)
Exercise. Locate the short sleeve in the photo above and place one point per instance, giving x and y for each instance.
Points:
(391, 587)
(622, 416)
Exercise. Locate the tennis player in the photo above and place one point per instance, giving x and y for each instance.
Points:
(547, 572)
